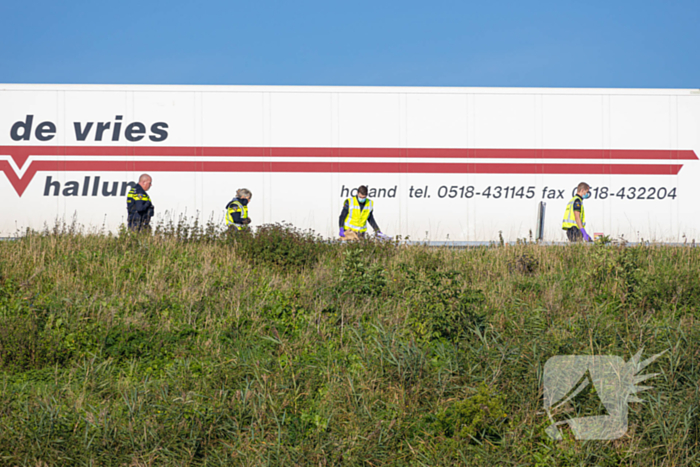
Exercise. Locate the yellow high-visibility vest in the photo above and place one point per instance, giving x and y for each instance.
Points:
(569, 219)
(356, 220)
(236, 206)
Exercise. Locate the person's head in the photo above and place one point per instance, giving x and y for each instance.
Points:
(583, 189)
(362, 194)
(244, 193)
(145, 181)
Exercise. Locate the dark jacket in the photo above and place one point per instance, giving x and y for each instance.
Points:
(139, 208)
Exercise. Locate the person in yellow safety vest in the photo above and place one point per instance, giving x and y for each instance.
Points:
(237, 210)
(575, 216)
(139, 206)
(357, 212)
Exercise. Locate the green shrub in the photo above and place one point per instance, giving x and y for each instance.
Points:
(373, 248)
(358, 276)
(25, 345)
(125, 343)
(443, 307)
(616, 272)
(285, 312)
(426, 260)
(477, 417)
(280, 245)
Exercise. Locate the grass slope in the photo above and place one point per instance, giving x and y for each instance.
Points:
(188, 348)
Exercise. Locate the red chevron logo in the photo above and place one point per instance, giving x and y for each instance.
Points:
(21, 163)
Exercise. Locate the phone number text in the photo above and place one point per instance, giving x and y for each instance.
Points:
(530, 192)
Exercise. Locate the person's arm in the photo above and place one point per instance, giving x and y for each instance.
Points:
(577, 214)
(343, 215)
(579, 224)
(236, 214)
(237, 217)
(142, 203)
(138, 202)
(372, 222)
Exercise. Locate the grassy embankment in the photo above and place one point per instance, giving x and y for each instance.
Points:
(281, 350)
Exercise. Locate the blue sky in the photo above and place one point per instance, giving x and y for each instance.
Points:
(562, 43)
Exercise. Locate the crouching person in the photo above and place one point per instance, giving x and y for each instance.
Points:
(357, 212)
(237, 211)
